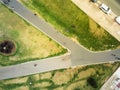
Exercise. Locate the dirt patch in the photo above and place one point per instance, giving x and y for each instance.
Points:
(43, 84)
(87, 73)
(46, 75)
(21, 88)
(62, 77)
(36, 77)
(17, 80)
(74, 39)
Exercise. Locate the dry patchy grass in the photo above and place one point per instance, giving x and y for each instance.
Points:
(95, 29)
(31, 43)
(68, 19)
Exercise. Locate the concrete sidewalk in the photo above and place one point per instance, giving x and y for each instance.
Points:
(104, 20)
(109, 83)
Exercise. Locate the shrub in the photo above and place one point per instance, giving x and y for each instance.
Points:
(91, 81)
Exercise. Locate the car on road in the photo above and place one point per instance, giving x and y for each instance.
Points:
(117, 19)
(105, 8)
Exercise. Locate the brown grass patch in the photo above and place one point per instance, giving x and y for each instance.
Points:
(75, 85)
(21, 88)
(87, 73)
(95, 29)
(36, 77)
(46, 75)
(17, 80)
(42, 84)
(62, 77)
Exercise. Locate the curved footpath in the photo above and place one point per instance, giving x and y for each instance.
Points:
(77, 54)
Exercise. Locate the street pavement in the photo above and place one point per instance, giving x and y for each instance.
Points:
(78, 55)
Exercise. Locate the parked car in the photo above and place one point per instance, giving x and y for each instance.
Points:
(117, 19)
(94, 1)
(6, 1)
(105, 8)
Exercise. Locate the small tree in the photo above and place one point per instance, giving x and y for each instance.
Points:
(91, 81)
(77, 88)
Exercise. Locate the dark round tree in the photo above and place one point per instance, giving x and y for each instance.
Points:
(7, 47)
(91, 81)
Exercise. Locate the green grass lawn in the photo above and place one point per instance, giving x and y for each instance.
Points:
(64, 79)
(31, 43)
(71, 21)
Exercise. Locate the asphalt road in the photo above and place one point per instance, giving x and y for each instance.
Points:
(113, 4)
(78, 56)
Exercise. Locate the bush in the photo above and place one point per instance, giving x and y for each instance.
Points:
(91, 81)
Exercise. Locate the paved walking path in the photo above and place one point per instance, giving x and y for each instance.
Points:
(77, 55)
(106, 21)
(33, 67)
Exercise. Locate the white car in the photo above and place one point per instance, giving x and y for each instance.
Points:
(105, 8)
(117, 19)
